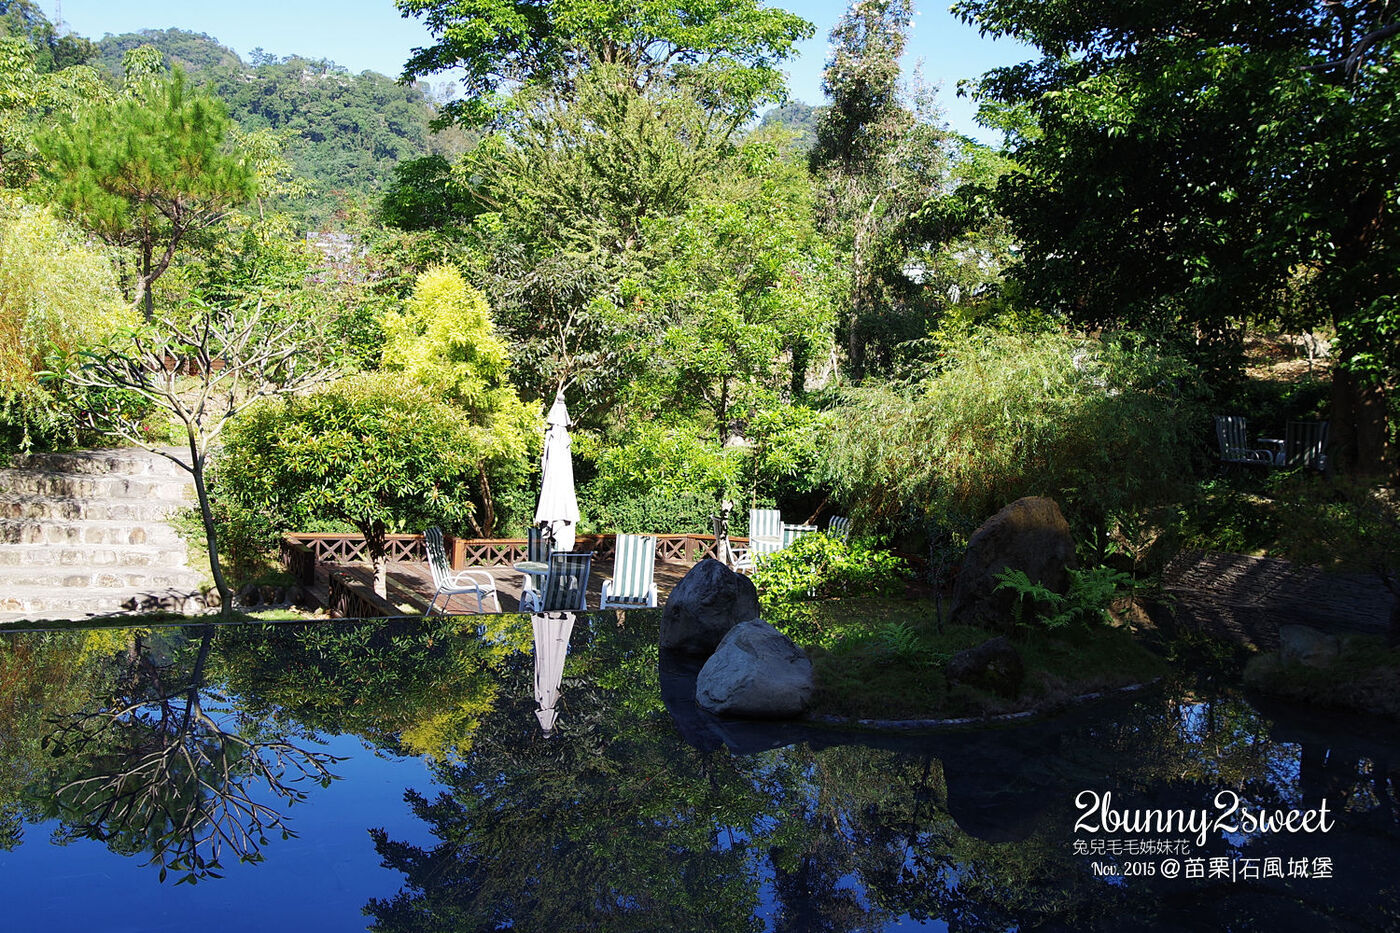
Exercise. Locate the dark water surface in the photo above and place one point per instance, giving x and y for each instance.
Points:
(147, 777)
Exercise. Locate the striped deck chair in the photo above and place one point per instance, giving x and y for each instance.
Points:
(1305, 444)
(839, 527)
(1234, 443)
(536, 550)
(566, 586)
(634, 566)
(792, 532)
(449, 582)
(765, 531)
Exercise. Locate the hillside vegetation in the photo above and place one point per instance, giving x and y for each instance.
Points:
(343, 132)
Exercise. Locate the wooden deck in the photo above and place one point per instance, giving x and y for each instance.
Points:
(411, 584)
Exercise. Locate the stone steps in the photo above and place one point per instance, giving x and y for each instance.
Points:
(69, 578)
(95, 558)
(86, 533)
(84, 486)
(82, 510)
(29, 603)
(62, 532)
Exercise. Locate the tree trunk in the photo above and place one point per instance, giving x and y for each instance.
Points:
(1358, 434)
(376, 540)
(148, 305)
(211, 536)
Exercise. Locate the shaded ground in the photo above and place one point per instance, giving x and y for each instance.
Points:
(1243, 600)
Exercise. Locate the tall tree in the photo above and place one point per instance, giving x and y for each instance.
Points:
(726, 51)
(879, 161)
(148, 171)
(1199, 166)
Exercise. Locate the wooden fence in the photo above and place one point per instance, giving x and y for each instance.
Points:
(302, 551)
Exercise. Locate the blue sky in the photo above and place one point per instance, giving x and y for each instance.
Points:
(370, 35)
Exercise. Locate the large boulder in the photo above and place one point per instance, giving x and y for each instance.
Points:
(994, 666)
(1302, 644)
(704, 606)
(1029, 535)
(756, 673)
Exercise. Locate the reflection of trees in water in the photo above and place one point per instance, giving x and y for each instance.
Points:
(409, 686)
(153, 769)
(615, 825)
(43, 675)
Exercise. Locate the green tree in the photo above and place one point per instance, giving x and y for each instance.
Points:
(381, 453)
(423, 195)
(148, 172)
(727, 52)
(570, 192)
(444, 340)
(30, 98)
(1198, 167)
(879, 162)
(201, 370)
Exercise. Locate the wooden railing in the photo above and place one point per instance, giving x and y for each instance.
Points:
(301, 551)
(350, 597)
(299, 560)
(342, 548)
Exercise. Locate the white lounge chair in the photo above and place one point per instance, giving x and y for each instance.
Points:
(451, 582)
(634, 574)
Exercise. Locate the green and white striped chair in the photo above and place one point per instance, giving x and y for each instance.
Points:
(634, 566)
(792, 532)
(765, 532)
(839, 527)
(537, 551)
(449, 582)
(565, 587)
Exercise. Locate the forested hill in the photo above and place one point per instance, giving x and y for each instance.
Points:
(345, 132)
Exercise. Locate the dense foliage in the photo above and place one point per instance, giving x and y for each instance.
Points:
(1199, 167)
(1103, 427)
(380, 453)
(57, 294)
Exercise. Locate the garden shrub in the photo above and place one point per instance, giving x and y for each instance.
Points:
(379, 452)
(1101, 426)
(818, 566)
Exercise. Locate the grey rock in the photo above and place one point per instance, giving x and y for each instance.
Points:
(1302, 644)
(756, 673)
(248, 595)
(995, 666)
(1030, 535)
(704, 606)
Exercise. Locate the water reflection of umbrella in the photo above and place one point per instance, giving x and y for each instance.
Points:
(558, 508)
(552, 630)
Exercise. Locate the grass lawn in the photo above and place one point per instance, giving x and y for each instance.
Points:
(884, 658)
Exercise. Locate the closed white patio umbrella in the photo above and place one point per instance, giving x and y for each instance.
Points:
(552, 631)
(558, 507)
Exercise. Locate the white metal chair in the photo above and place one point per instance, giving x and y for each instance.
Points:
(565, 587)
(451, 582)
(634, 574)
(1234, 443)
(839, 527)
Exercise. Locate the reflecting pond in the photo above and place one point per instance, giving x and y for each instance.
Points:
(398, 776)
